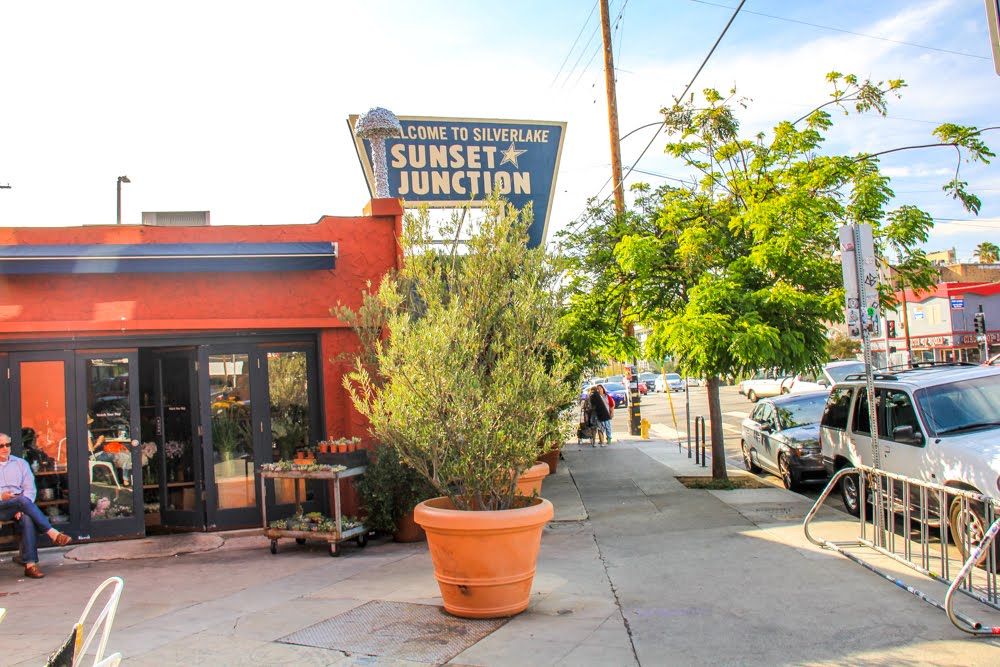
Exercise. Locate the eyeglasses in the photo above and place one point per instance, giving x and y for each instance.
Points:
(4, 444)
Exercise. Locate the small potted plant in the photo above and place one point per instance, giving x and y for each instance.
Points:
(389, 491)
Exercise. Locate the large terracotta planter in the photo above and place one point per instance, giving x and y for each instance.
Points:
(550, 457)
(484, 562)
(408, 530)
(531, 479)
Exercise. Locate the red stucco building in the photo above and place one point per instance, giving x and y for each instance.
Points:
(148, 371)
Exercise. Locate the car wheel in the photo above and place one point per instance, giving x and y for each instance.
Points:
(788, 478)
(968, 525)
(850, 493)
(748, 459)
(752, 396)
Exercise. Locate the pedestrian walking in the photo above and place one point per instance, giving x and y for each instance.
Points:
(600, 409)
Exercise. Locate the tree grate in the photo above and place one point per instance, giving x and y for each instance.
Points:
(415, 632)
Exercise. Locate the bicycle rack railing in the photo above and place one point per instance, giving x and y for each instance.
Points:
(896, 502)
(699, 443)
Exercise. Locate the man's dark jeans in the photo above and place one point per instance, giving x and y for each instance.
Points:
(32, 522)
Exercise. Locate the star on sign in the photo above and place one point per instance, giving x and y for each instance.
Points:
(510, 155)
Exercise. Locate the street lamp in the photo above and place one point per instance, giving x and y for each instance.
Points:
(121, 179)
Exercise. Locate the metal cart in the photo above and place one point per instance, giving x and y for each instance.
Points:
(357, 533)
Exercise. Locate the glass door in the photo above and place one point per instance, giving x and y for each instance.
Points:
(109, 441)
(232, 429)
(174, 462)
(261, 407)
(293, 426)
(42, 429)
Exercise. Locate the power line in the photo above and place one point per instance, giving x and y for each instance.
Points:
(970, 223)
(686, 89)
(849, 32)
(582, 52)
(662, 124)
(570, 52)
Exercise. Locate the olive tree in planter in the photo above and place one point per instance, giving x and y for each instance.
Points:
(471, 381)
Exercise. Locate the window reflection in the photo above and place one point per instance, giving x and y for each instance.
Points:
(43, 434)
(109, 438)
(232, 436)
(288, 393)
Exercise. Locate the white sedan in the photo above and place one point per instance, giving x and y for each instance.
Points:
(670, 381)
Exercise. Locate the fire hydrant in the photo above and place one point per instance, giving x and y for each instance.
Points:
(644, 429)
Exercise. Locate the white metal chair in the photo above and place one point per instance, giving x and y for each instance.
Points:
(104, 464)
(102, 624)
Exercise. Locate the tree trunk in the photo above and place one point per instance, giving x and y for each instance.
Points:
(718, 438)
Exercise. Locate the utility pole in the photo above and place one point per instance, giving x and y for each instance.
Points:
(635, 418)
(609, 81)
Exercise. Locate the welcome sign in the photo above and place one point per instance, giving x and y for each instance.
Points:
(451, 162)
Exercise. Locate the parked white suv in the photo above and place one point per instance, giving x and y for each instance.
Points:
(938, 424)
(829, 374)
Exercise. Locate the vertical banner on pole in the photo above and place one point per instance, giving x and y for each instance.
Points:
(849, 267)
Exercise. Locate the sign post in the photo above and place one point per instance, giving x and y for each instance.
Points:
(857, 248)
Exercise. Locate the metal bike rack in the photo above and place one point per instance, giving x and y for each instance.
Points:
(879, 488)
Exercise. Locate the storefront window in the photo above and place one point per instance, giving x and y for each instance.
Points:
(288, 389)
(232, 434)
(43, 434)
(109, 438)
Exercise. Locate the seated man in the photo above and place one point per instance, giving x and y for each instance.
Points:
(17, 501)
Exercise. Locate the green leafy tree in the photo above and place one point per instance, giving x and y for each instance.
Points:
(988, 253)
(840, 346)
(472, 381)
(737, 271)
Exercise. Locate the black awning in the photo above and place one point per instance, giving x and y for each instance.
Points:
(168, 257)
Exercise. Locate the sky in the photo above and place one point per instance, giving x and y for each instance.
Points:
(240, 108)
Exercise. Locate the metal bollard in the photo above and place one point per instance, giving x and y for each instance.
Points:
(699, 444)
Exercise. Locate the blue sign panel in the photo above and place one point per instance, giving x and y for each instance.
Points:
(957, 303)
(452, 162)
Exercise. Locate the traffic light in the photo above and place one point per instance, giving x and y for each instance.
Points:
(980, 323)
(890, 328)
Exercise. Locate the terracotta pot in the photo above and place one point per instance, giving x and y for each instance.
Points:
(530, 480)
(408, 530)
(324, 448)
(552, 459)
(484, 562)
(342, 448)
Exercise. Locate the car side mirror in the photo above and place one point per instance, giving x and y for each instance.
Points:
(766, 427)
(823, 383)
(907, 435)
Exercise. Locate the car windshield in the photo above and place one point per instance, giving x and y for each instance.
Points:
(838, 373)
(961, 407)
(616, 378)
(647, 376)
(674, 377)
(613, 386)
(801, 412)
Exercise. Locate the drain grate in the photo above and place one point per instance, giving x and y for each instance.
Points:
(416, 632)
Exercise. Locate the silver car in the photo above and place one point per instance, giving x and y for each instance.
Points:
(781, 436)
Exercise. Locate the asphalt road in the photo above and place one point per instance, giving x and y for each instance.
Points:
(672, 424)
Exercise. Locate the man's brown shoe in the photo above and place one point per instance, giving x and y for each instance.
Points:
(62, 539)
(33, 572)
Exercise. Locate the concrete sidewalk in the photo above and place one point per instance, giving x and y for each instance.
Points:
(636, 569)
